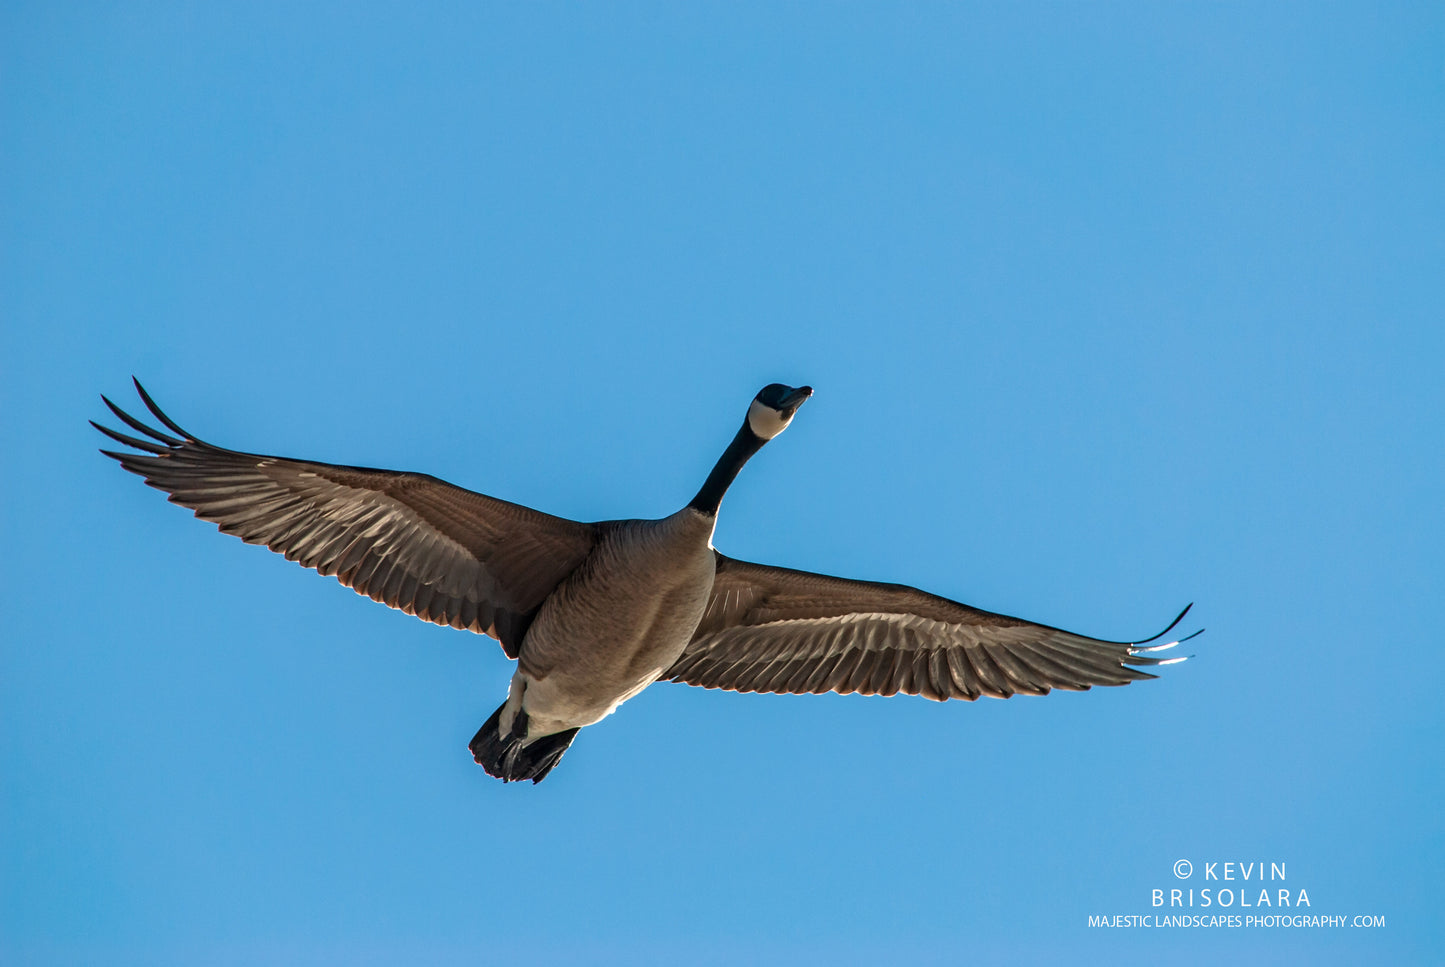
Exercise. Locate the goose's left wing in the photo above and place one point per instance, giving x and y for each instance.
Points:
(772, 629)
(408, 540)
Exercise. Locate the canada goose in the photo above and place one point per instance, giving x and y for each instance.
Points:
(594, 613)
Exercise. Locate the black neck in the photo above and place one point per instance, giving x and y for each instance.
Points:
(744, 445)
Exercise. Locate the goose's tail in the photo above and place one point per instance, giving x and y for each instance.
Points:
(511, 757)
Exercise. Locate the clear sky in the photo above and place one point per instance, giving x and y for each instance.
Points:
(1109, 308)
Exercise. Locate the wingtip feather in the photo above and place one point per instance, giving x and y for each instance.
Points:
(130, 441)
(1170, 627)
(159, 414)
(137, 425)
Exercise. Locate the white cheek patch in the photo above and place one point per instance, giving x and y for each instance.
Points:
(765, 421)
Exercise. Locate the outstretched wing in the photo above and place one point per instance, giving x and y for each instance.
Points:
(771, 629)
(408, 540)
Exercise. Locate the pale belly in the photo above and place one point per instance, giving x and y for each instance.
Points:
(604, 637)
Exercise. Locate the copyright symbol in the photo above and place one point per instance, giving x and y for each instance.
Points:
(1183, 869)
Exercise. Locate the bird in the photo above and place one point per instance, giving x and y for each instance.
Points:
(593, 613)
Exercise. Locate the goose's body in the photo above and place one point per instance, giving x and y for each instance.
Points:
(634, 602)
(596, 612)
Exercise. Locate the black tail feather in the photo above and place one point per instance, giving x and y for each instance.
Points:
(508, 757)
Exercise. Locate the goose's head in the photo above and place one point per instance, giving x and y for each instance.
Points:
(772, 409)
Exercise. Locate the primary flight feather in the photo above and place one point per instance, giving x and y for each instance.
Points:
(596, 612)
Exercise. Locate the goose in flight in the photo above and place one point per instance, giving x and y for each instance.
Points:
(593, 613)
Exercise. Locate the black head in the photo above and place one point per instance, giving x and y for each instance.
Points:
(773, 408)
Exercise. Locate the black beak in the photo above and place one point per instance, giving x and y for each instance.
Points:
(795, 398)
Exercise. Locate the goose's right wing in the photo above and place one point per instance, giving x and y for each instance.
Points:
(408, 540)
(772, 629)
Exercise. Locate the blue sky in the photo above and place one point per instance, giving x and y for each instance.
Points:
(1109, 308)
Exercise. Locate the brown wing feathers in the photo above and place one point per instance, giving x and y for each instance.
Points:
(770, 629)
(463, 559)
(411, 541)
